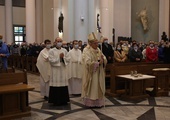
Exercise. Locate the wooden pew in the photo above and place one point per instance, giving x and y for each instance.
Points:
(9, 70)
(34, 67)
(14, 96)
(125, 68)
(29, 63)
(23, 62)
(161, 88)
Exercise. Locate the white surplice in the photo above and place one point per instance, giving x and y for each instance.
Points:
(44, 68)
(59, 75)
(75, 71)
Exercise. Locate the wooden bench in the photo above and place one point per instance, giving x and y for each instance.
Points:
(162, 78)
(9, 70)
(125, 68)
(14, 96)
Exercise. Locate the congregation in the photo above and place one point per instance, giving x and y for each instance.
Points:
(121, 52)
(68, 68)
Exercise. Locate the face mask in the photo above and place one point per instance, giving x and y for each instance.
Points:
(151, 45)
(118, 48)
(64, 46)
(76, 46)
(99, 43)
(135, 48)
(106, 41)
(59, 44)
(48, 46)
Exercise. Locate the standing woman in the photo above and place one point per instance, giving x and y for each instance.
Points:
(4, 53)
(151, 53)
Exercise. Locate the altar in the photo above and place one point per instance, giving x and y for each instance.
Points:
(135, 85)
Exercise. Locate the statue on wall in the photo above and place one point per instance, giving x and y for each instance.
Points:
(98, 26)
(164, 36)
(143, 17)
(60, 22)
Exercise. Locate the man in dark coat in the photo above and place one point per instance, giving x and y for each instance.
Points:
(107, 50)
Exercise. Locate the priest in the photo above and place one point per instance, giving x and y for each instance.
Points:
(94, 63)
(59, 59)
(44, 68)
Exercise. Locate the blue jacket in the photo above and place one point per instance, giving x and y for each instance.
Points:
(4, 50)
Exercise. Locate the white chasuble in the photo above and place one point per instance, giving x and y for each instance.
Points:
(93, 78)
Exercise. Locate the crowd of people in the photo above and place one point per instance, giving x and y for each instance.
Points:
(137, 52)
(123, 51)
(76, 68)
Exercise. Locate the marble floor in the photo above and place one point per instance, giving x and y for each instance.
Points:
(157, 108)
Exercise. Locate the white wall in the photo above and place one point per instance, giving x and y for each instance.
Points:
(120, 15)
(48, 20)
(19, 16)
(122, 18)
(2, 22)
(81, 27)
(71, 23)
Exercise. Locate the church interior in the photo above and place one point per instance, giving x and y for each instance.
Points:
(135, 89)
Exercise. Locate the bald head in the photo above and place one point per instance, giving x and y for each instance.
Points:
(58, 39)
(58, 42)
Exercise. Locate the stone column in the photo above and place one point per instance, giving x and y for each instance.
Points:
(57, 9)
(8, 22)
(105, 17)
(30, 21)
(39, 21)
(92, 27)
(81, 19)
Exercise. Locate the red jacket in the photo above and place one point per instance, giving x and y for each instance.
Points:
(151, 54)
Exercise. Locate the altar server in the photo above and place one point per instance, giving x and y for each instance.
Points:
(59, 60)
(44, 68)
(75, 69)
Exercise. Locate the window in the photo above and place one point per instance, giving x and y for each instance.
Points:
(19, 34)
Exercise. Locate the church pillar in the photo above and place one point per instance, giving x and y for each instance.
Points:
(81, 19)
(104, 5)
(164, 17)
(57, 10)
(39, 21)
(92, 17)
(30, 21)
(8, 22)
(71, 23)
